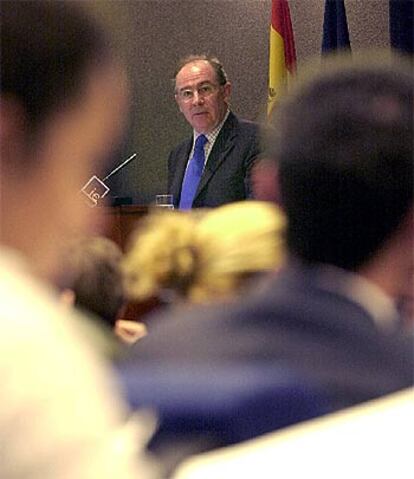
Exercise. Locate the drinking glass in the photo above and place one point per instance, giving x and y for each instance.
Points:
(164, 201)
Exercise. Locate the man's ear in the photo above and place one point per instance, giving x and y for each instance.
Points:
(265, 182)
(227, 91)
(177, 101)
(67, 297)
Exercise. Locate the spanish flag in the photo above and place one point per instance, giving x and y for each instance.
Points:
(282, 54)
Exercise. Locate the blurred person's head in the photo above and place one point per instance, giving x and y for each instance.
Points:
(63, 97)
(92, 280)
(204, 256)
(94, 275)
(344, 153)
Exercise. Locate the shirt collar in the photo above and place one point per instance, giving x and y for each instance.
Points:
(212, 135)
(361, 291)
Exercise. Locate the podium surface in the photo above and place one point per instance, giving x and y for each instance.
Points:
(122, 220)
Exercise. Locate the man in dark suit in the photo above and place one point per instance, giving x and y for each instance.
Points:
(344, 151)
(213, 166)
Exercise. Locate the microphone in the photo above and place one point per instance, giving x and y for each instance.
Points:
(95, 189)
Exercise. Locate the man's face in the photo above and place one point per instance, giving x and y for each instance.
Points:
(200, 98)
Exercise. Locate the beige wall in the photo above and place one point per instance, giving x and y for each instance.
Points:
(153, 34)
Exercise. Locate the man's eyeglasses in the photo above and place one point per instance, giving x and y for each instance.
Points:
(203, 91)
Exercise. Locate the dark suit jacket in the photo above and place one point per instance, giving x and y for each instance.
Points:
(294, 322)
(226, 177)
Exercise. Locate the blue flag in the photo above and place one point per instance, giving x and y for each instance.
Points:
(335, 27)
(401, 25)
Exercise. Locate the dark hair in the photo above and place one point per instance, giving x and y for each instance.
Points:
(345, 154)
(221, 75)
(93, 267)
(46, 49)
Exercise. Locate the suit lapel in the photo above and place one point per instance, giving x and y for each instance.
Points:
(221, 149)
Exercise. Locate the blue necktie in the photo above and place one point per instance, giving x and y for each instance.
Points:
(193, 174)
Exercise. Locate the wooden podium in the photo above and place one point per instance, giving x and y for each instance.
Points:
(122, 220)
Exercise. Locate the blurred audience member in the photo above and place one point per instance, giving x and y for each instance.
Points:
(95, 284)
(204, 256)
(63, 98)
(343, 146)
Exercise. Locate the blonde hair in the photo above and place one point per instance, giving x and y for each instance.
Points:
(200, 256)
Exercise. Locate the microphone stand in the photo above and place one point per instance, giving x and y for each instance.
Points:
(96, 189)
